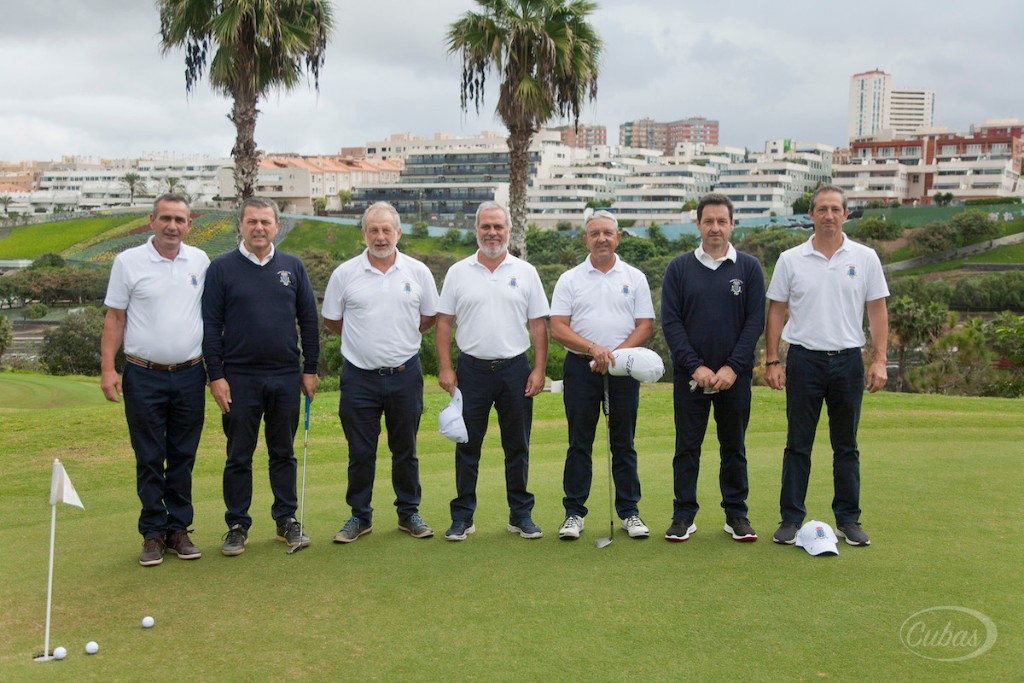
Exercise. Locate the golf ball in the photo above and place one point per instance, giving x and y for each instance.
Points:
(147, 622)
(92, 647)
(60, 653)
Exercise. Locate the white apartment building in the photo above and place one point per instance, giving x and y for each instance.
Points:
(657, 192)
(911, 109)
(970, 179)
(874, 105)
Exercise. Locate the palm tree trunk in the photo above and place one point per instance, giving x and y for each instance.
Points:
(243, 115)
(519, 166)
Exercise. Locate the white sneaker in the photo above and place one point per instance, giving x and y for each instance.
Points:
(571, 527)
(635, 527)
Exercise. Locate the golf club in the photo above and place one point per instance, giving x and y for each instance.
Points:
(606, 406)
(302, 495)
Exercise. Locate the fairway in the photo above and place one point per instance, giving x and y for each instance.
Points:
(940, 494)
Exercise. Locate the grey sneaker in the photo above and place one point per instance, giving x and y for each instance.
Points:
(525, 528)
(786, 533)
(291, 533)
(571, 527)
(234, 541)
(152, 552)
(680, 530)
(853, 533)
(415, 526)
(353, 529)
(635, 527)
(181, 545)
(739, 528)
(459, 529)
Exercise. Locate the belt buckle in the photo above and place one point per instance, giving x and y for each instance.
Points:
(832, 353)
(497, 364)
(383, 371)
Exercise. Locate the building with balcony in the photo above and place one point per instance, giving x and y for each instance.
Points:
(664, 136)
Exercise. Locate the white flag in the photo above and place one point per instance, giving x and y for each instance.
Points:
(61, 488)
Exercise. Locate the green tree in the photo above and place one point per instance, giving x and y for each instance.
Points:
(1007, 337)
(546, 55)
(48, 260)
(5, 201)
(768, 243)
(802, 204)
(912, 324)
(320, 205)
(6, 334)
(344, 197)
(973, 226)
(135, 185)
(173, 185)
(877, 228)
(251, 48)
(73, 347)
(959, 364)
(933, 238)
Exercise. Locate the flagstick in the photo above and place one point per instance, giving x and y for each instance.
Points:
(49, 587)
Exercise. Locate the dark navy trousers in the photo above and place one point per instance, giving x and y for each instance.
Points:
(501, 384)
(732, 414)
(273, 399)
(583, 392)
(398, 396)
(837, 379)
(165, 413)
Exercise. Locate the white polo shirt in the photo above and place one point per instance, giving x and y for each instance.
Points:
(827, 296)
(380, 312)
(491, 309)
(603, 307)
(163, 302)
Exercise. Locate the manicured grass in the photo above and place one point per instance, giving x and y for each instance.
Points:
(1013, 253)
(32, 241)
(341, 241)
(940, 491)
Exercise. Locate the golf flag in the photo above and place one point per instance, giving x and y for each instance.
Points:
(61, 488)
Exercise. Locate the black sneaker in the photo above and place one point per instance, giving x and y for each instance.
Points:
(152, 552)
(739, 528)
(291, 533)
(525, 528)
(459, 529)
(353, 529)
(234, 541)
(181, 545)
(786, 533)
(415, 526)
(680, 530)
(853, 533)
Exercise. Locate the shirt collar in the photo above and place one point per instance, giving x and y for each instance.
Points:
(365, 257)
(808, 247)
(155, 255)
(706, 258)
(615, 266)
(252, 257)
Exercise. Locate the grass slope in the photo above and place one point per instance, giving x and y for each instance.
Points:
(940, 485)
(32, 241)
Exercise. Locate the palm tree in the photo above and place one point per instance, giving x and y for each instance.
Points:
(135, 185)
(546, 55)
(251, 48)
(174, 184)
(5, 201)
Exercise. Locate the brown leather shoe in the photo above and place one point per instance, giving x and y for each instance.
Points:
(152, 552)
(179, 543)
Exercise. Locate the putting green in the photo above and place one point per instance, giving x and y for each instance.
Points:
(32, 392)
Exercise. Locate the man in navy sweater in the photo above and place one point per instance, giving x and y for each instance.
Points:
(253, 298)
(712, 314)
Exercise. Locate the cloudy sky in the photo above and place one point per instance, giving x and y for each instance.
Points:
(87, 77)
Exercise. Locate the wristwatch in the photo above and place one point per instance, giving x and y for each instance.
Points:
(772, 362)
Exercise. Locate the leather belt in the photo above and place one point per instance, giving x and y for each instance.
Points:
(492, 365)
(389, 371)
(840, 352)
(173, 367)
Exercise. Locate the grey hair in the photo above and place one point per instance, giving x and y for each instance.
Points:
(822, 190)
(488, 206)
(258, 203)
(172, 197)
(387, 208)
(591, 215)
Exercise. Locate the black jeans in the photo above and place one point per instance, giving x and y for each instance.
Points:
(165, 413)
(837, 379)
(273, 399)
(501, 384)
(398, 396)
(732, 414)
(583, 394)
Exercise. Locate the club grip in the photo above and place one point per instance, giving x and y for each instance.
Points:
(308, 401)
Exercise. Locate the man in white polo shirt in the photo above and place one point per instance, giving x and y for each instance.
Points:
(826, 283)
(497, 304)
(381, 302)
(601, 305)
(154, 302)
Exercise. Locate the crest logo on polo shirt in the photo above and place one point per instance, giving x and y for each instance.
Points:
(513, 282)
(851, 271)
(285, 277)
(193, 279)
(736, 287)
(625, 290)
(407, 287)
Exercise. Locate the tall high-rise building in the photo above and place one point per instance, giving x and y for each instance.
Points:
(875, 105)
(583, 136)
(651, 134)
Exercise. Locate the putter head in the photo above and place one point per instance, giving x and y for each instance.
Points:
(602, 542)
(295, 549)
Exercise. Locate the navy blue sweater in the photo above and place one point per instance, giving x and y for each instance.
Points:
(712, 317)
(249, 316)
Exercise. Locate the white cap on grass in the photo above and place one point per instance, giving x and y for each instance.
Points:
(817, 538)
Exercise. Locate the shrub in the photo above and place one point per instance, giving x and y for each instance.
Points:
(73, 347)
(36, 311)
(876, 228)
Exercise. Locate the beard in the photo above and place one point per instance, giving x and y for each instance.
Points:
(492, 249)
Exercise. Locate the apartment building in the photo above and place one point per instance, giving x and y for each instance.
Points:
(875, 105)
(664, 136)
